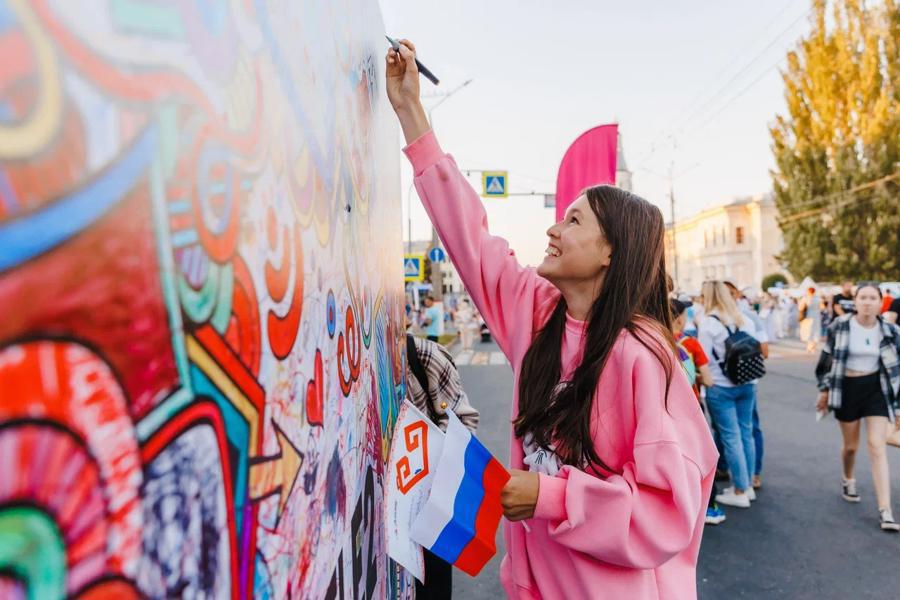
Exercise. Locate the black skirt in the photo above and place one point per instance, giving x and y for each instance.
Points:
(861, 397)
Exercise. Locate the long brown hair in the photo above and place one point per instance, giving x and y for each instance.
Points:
(634, 297)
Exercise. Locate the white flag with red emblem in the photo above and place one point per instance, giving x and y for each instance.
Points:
(415, 450)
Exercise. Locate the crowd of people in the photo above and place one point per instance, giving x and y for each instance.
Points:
(857, 375)
(808, 316)
(455, 314)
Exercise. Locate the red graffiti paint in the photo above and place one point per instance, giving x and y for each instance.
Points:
(315, 394)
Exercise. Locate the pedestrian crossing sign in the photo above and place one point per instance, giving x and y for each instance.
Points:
(414, 267)
(495, 184)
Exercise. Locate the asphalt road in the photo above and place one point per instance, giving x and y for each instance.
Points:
(799, 540)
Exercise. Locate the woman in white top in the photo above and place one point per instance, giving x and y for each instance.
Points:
(466, 323)
(730, 406)
(859, 379)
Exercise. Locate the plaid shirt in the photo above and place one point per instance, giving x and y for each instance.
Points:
(444, 383)
(833, 362)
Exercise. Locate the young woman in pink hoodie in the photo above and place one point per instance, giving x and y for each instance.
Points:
(612, 462)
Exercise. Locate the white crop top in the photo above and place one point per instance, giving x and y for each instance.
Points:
(863, 352)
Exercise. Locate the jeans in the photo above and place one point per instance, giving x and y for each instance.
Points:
(722, 465)
(732, 410)
(715, 488)
(757, 436)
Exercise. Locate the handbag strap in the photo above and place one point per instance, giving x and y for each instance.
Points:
(418, 370)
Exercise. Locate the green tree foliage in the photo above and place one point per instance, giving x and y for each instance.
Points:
(837, 148)
(772, 279)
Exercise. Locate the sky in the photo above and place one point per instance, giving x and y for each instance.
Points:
(693, 84)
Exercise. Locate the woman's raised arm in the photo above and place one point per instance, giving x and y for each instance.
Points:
(510, 297)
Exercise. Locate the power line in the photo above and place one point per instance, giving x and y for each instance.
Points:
(746, 48)
(734, 98)
(816, 200)
(746, 67)
(697, 112)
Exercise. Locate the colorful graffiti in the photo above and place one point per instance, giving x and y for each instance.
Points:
(201, 343)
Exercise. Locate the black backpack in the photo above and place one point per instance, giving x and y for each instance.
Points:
(743, 361)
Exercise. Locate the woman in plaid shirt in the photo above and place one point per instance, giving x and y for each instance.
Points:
(859, 378)
(433, 385)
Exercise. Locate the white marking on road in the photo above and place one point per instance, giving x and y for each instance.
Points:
(463, 358)
(468, 358)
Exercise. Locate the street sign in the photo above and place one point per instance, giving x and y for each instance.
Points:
(495, 184)
(413, 267)
(437, 255)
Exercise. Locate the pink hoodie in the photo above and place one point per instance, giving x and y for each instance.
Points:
(636, 533)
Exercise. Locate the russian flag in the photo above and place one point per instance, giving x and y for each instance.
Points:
(459, 521)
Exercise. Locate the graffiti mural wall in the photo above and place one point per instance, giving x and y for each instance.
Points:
(201, 350)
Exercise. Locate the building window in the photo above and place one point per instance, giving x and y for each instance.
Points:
(705, 239)
(724, 242)
(738, 235)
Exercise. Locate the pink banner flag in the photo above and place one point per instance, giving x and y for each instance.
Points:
(590, 160)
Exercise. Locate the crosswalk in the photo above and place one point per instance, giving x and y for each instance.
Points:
(475, 359)
(788, 349)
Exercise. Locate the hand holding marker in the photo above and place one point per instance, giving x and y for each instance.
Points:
(422, 68)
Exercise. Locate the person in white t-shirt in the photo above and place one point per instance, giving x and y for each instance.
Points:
(466, 323)
(859, 380)
(730, 405)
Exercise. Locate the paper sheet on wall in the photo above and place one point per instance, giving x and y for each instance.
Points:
(415, 451)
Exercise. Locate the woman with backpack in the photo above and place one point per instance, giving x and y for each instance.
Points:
(735, 359)
(616, 508)
(696, 367)
(859, 379)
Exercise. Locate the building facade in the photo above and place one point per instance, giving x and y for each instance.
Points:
(738, 241)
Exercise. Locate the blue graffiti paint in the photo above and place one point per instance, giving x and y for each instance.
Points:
(51, 225)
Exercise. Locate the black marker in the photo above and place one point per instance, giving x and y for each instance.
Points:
(422, 68)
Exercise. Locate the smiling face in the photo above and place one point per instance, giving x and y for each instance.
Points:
(577, 251)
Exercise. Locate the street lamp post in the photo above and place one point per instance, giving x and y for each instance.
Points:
(437, 276)
(444, 97)
(409, 218)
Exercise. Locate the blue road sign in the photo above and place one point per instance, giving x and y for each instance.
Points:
(437, 255)
(412, 267)
(494, 183)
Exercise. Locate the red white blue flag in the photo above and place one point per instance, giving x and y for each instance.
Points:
(459, 521)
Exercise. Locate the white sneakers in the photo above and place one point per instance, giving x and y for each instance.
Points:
(848, 490)
(729, 498)
(887, 520)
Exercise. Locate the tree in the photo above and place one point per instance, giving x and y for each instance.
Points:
(770, 280)
(837, 148)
